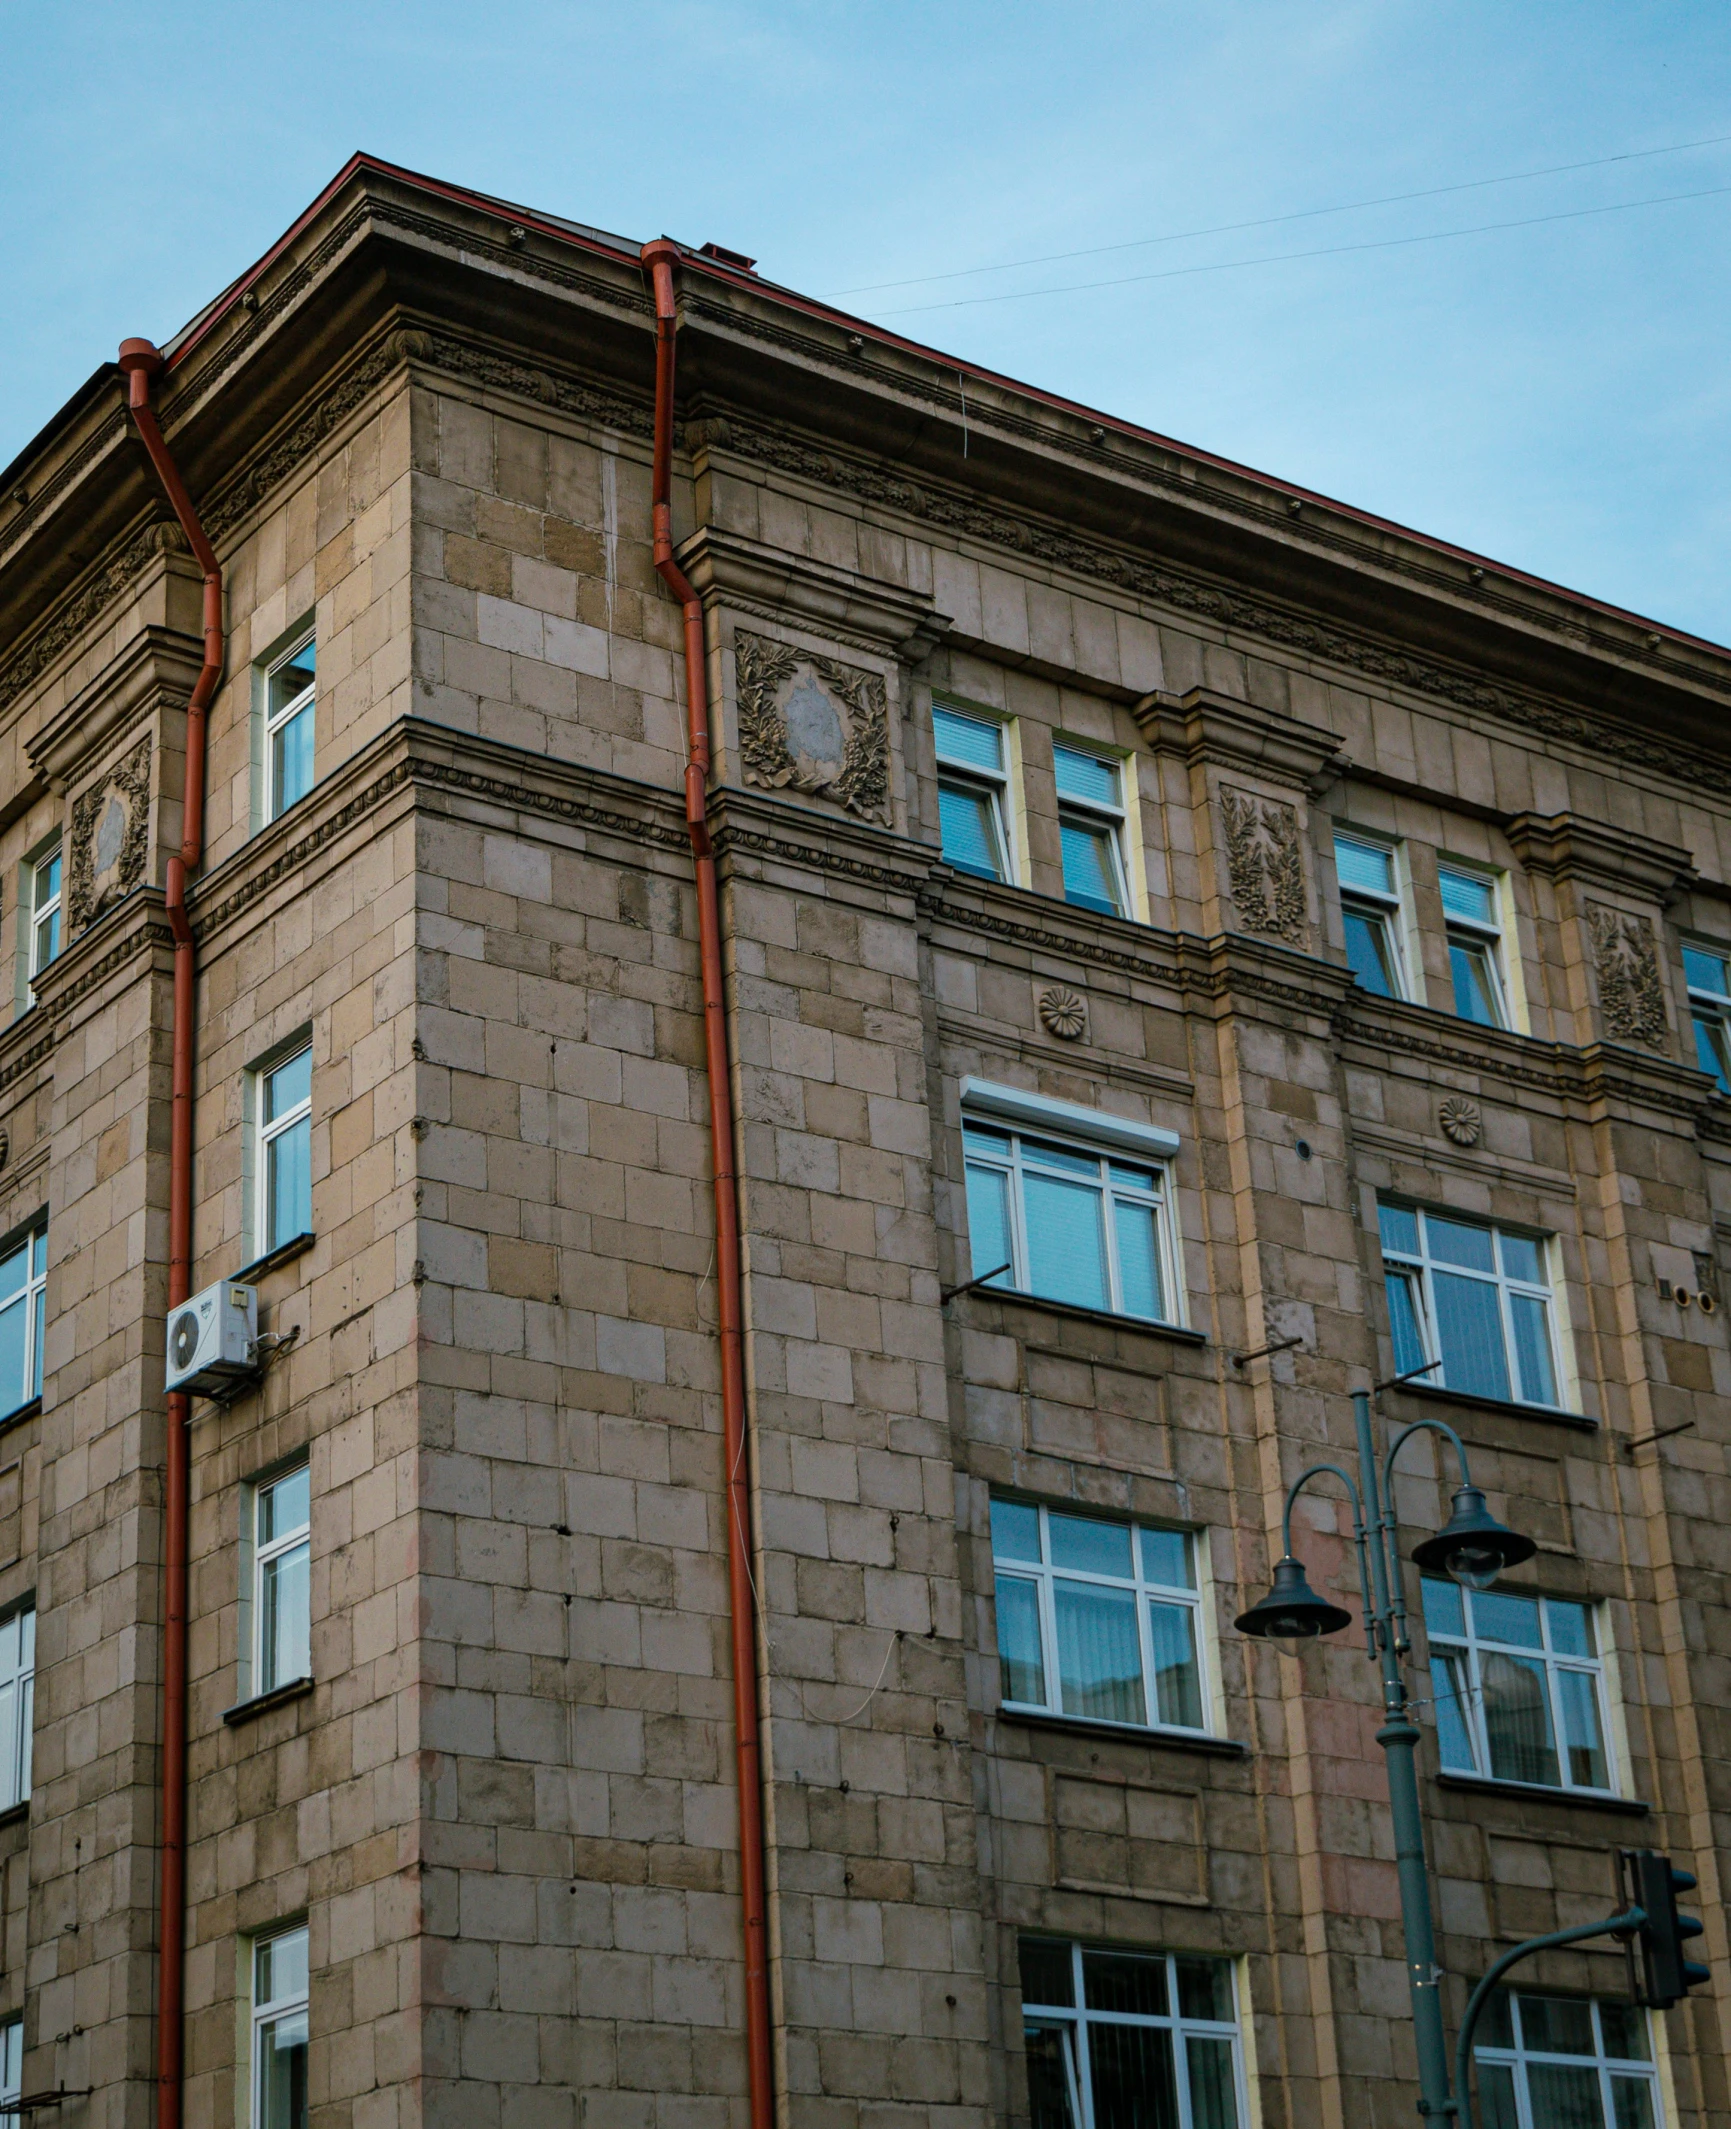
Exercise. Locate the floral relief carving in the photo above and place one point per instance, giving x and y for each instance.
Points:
(110, 838)
(1264, 864)
(1460, 1120)
(1063, 1012)
(809, 723)
(1626, 961)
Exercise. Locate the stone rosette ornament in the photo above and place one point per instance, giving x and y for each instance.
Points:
(1460, 1120)
(1063, 1012)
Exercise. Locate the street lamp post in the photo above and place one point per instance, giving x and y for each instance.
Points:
(1472, 1547)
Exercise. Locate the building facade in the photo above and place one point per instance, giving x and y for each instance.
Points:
(1191, 951)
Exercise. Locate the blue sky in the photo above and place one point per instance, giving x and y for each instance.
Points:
(1556, 395)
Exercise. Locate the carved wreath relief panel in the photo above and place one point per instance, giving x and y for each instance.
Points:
(1626, 961)
(110, 838)
(1264, 864)
(811, 724)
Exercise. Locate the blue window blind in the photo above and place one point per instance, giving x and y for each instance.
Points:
(1466, 895)
(1087, 777)
(1366, 867)
(971, 742)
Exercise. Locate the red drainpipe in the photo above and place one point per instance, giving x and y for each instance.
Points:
(660, 257)
(142, 362)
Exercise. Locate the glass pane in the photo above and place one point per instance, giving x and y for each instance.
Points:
(1132, 2077)
(282, 2072)
(1099, 1653)
(1531, 1321)
(968, 828)
(291, 760)
(1021, 1669)
(1624, 2026)
(288, 1086)
(285, 1505)
(47, 883)
(1557, 2025)
(1571, 1628)
(1051, 2076)
(1710, 1048)
(973, 740)
(1138, 1261)
(1474, 981)
(1523, 1258)
(1442, 1607)
(1015, 1531)
(1705, 972)
(1095, 1548)
(47, 941)
(1518, 1720)
(1205, 1990)
(1133, 1178)
(1036, 1152)
(1213, 2088)
(1455, 1242)
(15, 1271)
(1497, 2108)
(1366, 865)
(1564, 2098)
(1120, 1981)
(1166, 1559)
(1496, 2027)
(989, 1222)
(36, 1343)
(1467, 894)
(280, 1968)
(1048, 1976)
(1583, 1741)
(285, 1637)
(1398, 1226)
(14, 1389)
(1066, 1249)
(1450, 1688)
(1085, 776)
(39, 1252)
(1177, 1681)
(294, 676)
(1370, 951)
(1090, 875)
(1498, 1616)
(1470, 1333)
(289, 1184)
(1632, 2102)
(1402, 1291)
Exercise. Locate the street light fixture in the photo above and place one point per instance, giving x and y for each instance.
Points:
(1473, 1548)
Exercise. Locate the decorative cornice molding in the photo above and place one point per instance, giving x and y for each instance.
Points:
(567, 391)
(728, 569)
(158, 662)
(1569, 847)
(107, 578)
(1203, 726)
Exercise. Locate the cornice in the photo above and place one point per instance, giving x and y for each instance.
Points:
(158, 662)
(132, 928)
(106, 580)
(567, 391)
(749, 576)
(1203, 726)
(1568, 847)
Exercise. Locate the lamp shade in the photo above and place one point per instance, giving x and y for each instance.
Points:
(1292, 1611)
(1472, 1545)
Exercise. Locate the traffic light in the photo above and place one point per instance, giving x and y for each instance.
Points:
(1664, 1976)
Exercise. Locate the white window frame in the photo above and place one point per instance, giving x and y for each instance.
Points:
(1712, 1007)
(1094, 813)
(46, 911)
(267, 1131)
(1078, 2021)
(274, 720)
(1551, 1662)
(995, 786)
(17, 1704)
(1387, 910)
(270, 2013)
(1472, 932)
(32, 1298)
(1045, 1576)
(11, 2070)
(265, 1555)
(1518, 2057)
(1419, 1271)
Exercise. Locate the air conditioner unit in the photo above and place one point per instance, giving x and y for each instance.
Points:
(213, 1339)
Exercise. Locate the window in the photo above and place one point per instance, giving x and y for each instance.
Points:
(288, 729)
(282, 1559)
(11, 2069)
(1070, 1223)
(23, 1319)
(17, 1704)
(1475, 1298)
(44, 910)
(1710, 1009)
(1545, 2060)
(1475, 936)
(972, 782)
(279, 2031)
(1116, 2039)
(1097, 1619)
(1519, 1687)
(1091, 830)
(285, 1155)
(1370, 912)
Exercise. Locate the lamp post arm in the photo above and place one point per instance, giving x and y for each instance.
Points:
(1617, 1926)
(1423, 1426)
(1389, 1524)
(1358, 1532)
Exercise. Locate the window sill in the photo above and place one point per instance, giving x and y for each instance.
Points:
(284, 1253)
(1428, 1393)
(1086, 1726)
(1107, 1318)
(279, 1697)
(1579, 1799)
(24, 1412)
(15, 1814)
